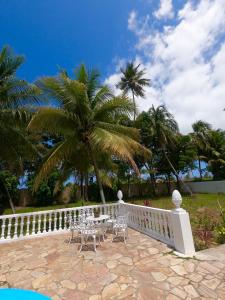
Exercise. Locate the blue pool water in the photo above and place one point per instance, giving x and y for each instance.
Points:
(16, 294)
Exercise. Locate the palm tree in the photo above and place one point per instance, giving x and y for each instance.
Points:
(86, 119)
(133, 81)
(15, 94)
(164, 130)
(200, 140)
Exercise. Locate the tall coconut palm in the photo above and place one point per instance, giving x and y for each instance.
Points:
(132, 81)
(85, 119)
(15, 94)
(164, 130)
(200, 140)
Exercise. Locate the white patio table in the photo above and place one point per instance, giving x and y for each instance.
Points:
(99, 222)
(99, 219)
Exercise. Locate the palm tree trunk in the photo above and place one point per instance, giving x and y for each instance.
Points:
(175, 173)
(82, 188)
(86, 187)
(134, 105)
(168, 184)
(96, 172)
(199, 168)
(8, 196)
(152, 179)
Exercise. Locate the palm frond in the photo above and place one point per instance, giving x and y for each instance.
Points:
(52, 120)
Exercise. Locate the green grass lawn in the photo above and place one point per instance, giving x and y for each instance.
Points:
(190, 203)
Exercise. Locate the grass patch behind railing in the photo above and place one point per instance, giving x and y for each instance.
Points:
(205, 216)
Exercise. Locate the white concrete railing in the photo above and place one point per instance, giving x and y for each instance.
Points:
(26, 225)
(169, 226)
(154, 222)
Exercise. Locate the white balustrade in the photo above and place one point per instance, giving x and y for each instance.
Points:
(26, 225)
(151, 221)
(169, 226)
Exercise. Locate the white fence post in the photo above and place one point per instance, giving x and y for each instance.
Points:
(183, 239)
(120, 197)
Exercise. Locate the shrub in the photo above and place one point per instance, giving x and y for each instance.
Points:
(220, 235)
(206, 221)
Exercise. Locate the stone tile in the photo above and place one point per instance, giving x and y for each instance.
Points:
(212, 283)
(111, 264)
(68, 284)
(149, 293)
(179, 292)
(179, 269)
(138, 270)
(175, 280)
(195, 277)
(158, 276)
(126, 260)
(112, 290)
(95, 297)
(206, 292)
(209, 267)
(191, 291)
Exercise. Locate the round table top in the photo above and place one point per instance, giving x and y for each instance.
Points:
(100, 218)
(18, 294)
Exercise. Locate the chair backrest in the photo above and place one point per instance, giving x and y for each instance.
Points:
(121, 220)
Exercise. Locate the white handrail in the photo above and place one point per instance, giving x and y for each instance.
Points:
(26, 225)
(169, 226)
(152, 221)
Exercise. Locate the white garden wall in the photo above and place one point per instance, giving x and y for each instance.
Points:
(207, 186)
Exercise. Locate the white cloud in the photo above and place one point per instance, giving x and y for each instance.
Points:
(186, 63)
(165, 10)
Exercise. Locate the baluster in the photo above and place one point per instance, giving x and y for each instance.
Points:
(28, 226)
(15, 236)
(70, 218)
(8, 237)
(3, 230)
(151, 221)
(161, 224)
(65, 220)
(154, 228)
(111, 212)
(33, 225)
(60, 220)
(169, 226)
(44, 225)
(21, 226)
(143, 219)
(157, 223)
(165, 226)
(147, 220)
(50, 222)
(39, 224)
(55, 220)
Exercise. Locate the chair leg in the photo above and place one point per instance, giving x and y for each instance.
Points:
(71, 237)
(82, 243)
(94, 238)
(124, 236)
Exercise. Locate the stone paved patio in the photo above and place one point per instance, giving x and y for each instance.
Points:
(144, 269)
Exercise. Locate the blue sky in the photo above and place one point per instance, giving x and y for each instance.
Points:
(64, 33)
(180, 43)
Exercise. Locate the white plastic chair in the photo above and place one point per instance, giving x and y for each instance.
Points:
(73, 226)
(87, 231)
(120, 228)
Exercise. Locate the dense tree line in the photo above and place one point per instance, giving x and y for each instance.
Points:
(92, 135)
